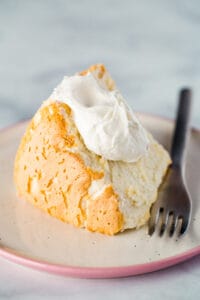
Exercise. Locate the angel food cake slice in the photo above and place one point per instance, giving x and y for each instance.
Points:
(86, 159)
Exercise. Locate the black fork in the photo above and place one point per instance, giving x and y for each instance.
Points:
(172, 209)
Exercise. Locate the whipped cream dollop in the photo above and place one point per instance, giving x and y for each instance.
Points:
(107, 125)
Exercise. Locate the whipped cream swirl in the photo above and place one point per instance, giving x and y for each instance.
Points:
(107, 125)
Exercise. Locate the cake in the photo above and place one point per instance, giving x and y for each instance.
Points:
(56, 172)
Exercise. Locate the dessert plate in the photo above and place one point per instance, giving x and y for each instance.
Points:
(32, 238)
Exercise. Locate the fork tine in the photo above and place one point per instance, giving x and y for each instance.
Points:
(165, 217)
(184, 225)
(152, 226)
(173, 224)
(155, 212)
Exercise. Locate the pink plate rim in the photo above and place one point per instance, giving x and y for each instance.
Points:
(98, 272)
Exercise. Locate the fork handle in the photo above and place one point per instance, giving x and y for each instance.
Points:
(181, 128)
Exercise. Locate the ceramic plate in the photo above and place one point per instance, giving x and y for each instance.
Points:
(32, 238)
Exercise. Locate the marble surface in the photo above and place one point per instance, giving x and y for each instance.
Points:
(151, 48)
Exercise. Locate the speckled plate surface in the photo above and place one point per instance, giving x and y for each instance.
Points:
(32, 238)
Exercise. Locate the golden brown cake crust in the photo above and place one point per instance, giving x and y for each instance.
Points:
(56, 180)
(104, 214)
(101, 73)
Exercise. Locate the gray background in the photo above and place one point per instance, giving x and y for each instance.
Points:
(152, 48)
